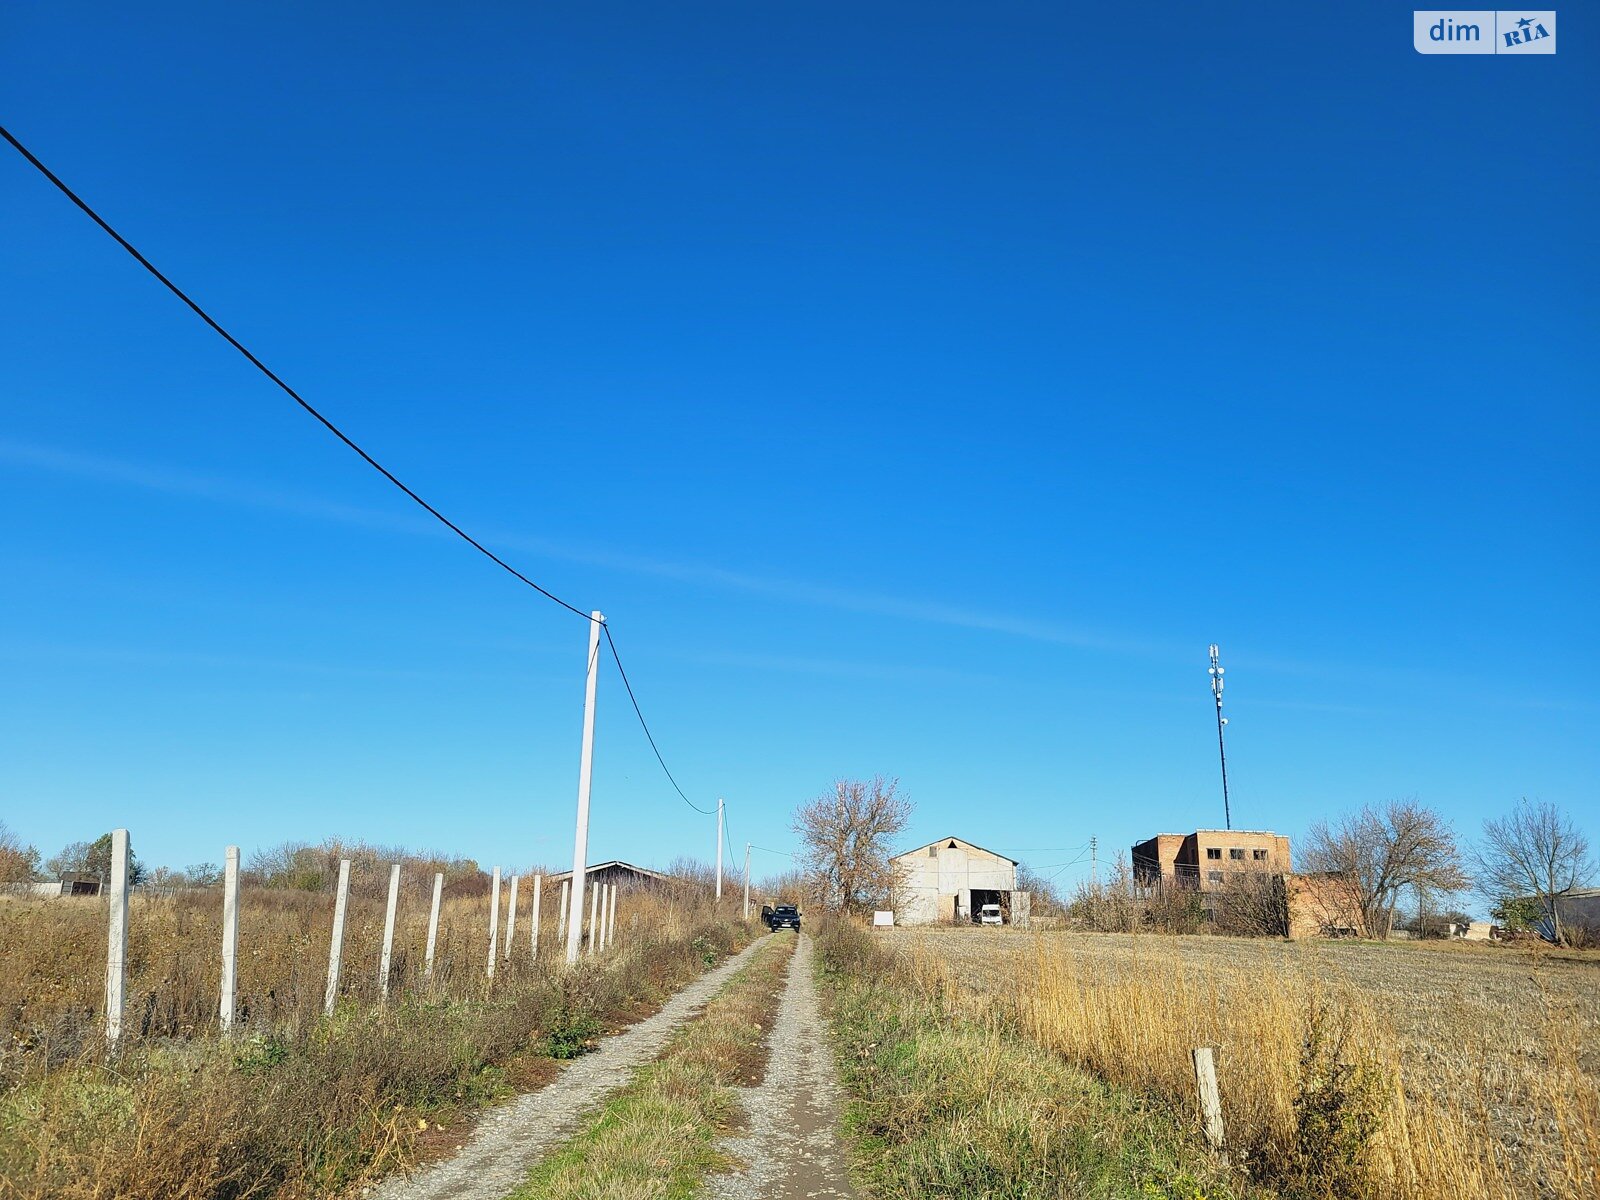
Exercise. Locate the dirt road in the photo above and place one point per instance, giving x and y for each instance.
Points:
(791, 1141)
(509, 1140)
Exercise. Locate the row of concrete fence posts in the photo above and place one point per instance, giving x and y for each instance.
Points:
(433, 925)
(117, 936)
(230, 936)
(341, 905)
(494, 919)
(386, 957)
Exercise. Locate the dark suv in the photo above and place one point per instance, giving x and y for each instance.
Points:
(784, 916)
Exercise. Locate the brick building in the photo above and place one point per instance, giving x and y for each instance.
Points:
(1205, 858)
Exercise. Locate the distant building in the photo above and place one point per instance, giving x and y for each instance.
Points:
(951, 879)
(625, 875)
(1205, 858)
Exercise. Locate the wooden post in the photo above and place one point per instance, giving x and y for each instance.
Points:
(1205, 1078)
(533, 936)
(594, 919)
(561, 913)
(230, 935)
(494, 920)
(511, 916)
(387, 956)
(117, 936)
(341, 902)
(433, 925)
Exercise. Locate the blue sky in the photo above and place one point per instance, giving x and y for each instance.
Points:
(919, 389)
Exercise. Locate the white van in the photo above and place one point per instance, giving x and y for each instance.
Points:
(989, 914)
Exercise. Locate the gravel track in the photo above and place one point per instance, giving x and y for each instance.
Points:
(510, 1139)
(791, 1142)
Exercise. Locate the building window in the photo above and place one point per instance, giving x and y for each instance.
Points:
(933, 852)
(1214, 876)
(1236, 853)
(1260, 855)
(1213, 852)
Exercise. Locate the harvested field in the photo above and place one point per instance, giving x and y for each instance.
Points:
(1479, 1066)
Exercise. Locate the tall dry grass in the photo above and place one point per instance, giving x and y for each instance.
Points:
(1321, 1100)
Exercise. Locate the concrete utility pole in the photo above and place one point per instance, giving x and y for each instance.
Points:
(1094, 862)
(719, 847)
(230, 935)
(747, 881)
(580, 845)
(1222, 753)
(117, 936)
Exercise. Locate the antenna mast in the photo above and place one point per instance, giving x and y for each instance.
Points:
(1222, 752)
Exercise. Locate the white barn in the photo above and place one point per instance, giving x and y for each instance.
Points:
(950, 879)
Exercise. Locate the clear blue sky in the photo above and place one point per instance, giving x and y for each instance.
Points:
(918, 388)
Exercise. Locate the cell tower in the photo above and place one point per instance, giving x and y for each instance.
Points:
(1222, 751)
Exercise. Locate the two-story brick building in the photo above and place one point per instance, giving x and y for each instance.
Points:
(1205, 858)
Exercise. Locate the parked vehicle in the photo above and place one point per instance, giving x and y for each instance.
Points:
(783, 916)
(990, 914)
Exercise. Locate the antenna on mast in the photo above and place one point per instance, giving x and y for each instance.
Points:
(1222, 752)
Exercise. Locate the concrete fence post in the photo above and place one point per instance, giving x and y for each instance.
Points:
(230, 936)
(594, 920)
(433, 925)
(561, 912)
(494, 920)
(611, 920)
(511, 917)
(341, 904)
(1205, 1078)
(533, 934)
(117, 936)
(387, 957)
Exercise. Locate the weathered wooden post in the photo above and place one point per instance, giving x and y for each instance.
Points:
(1205, 1078)
(594, 920)
(117, 936)
(230, 936)
(388, 932)
(494, 919)
(341, 902)
(511, 917)
(433, 925)
(533, 936)
(561, 914)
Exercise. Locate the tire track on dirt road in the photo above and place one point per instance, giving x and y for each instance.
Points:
(509, 1140)
(791, 1144)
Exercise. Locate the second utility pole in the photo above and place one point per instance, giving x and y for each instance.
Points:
(719, 847)
(580, 846)
(746, 881)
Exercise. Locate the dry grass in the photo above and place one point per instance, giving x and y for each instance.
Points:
(1350, 1070)
(655, 1139)
(294, 1105)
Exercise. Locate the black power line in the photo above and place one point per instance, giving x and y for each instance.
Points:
(268, 372)
(341, 435)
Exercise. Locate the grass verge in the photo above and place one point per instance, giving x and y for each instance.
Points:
(309, 1110)
(657, 1136)
(946, 1104)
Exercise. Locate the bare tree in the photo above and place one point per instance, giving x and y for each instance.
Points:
(18, 863)
(1535, 852)
(847, 838)
(1383, 852)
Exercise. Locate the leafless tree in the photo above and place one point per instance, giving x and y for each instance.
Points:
(1383, 852)
(847, 838)
(1534, 852)
(18, 863)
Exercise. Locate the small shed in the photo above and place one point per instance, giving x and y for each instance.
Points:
(625, 875)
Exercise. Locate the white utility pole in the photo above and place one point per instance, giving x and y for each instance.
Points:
(117, 936)
(533, 936)
(387, 957)
(433, 925)
(494, 919)
(719, 847)
(230, 935)
(341, 902)
(747, 881)
(1094, 862)
(580, 845)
